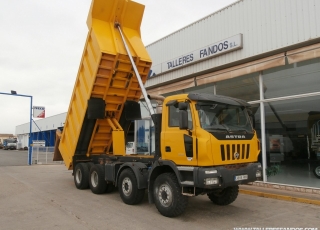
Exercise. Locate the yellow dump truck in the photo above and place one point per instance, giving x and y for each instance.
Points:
(201, 143)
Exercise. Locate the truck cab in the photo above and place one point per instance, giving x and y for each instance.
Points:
(214, 130)
(9, 144)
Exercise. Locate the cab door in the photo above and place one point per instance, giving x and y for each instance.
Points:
(178, 145)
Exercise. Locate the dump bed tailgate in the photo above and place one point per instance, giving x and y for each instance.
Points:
(105, 73)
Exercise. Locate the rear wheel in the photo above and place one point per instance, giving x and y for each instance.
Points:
(97, 182)
(81, 176)
(128, 188)
(167, 195)
(316, 171)
(225, 196)
(89, 165)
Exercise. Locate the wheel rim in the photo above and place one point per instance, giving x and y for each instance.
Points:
(317, 170)
(94, 179)
(126, 186)
(78, 176)
(165, 195)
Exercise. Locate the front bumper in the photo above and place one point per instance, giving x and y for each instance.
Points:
(226, 176)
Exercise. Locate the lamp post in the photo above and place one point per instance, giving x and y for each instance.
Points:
(14, 93)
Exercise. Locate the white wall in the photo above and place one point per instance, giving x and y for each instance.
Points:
(266, 25)
(49, 123)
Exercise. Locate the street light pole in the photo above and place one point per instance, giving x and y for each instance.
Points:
(30, 132)
(14, 93)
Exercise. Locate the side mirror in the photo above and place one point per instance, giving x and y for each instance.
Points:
(183, 115)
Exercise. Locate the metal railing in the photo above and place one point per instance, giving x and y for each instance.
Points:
(43, 155)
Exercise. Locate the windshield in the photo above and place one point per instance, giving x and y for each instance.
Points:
(224, 117)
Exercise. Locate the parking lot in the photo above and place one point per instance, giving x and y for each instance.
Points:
(13, 157)
(44, 197)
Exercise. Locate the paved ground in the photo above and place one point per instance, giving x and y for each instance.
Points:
(20, 157)
(13, 157)
(44, 197)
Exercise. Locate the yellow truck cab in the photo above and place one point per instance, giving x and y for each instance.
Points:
(203, 143)
(216, 130)
(208, 145)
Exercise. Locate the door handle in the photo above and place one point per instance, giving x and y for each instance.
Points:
(168, 149)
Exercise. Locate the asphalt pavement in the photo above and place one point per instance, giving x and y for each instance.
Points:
(13, 157)
(44, 197)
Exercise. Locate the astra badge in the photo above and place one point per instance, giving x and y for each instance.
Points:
(236, 155)
(235, 136)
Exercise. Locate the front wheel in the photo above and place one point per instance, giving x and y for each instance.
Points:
(128, 188)
(167, 195)
(225, 196)
(316, 171)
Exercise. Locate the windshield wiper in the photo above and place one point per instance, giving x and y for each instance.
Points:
(225, 128)
(239, 130)
(243, 130)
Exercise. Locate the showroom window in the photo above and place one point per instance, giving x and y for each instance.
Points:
(298, 78)
(291, 128)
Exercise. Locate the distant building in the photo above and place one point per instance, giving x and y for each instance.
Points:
(6, 136)
(44, 129)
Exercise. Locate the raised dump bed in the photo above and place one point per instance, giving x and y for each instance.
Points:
(105, 79)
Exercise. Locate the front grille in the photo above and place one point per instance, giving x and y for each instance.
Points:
(230, 152)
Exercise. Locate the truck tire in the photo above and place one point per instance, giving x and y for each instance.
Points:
(97, 182)
(224, 197)
(128, 188)
(90, 164)
(167, 195)
(81, 176)
(316, 171)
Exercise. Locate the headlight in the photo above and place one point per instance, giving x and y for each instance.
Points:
(258, 173)
(209, 181)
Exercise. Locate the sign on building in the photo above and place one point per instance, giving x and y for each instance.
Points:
(39, 143)
(212, 50)
(39, 112)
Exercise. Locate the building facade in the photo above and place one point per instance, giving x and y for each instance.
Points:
(267, 53)
(44, 130)
(264, 52)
